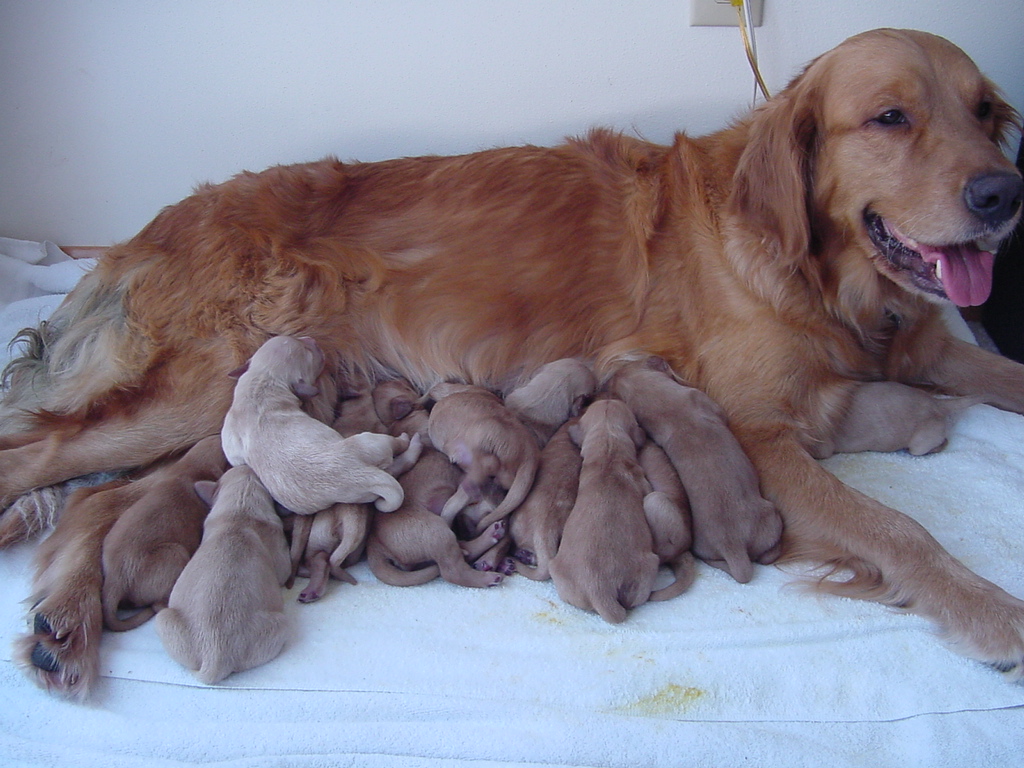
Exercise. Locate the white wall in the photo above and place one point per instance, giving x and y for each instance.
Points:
(110, 110)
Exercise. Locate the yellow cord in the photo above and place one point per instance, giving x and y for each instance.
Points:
(749, 48)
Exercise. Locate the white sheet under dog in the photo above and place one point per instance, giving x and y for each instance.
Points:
(727, 674)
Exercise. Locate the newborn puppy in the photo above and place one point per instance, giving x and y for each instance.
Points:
(304, 463)
(324, 543)
(356, 410)
(476, 431)
(537, 525)
(668, 513)
(149, 545)
(605, 562)
(888, 416)
(555, 393)
(226, 612)
(401, 410)
(732, 524)
(413, 545)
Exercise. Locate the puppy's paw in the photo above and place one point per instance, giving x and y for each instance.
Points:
(497, 530)
(525, 556)
(61, 652)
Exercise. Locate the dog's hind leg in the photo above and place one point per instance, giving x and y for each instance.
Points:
(173, 418)
(61, 652)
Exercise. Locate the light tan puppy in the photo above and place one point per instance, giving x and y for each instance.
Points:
(888, 416)
(605, 562)
(304, 463)
(414, 545)
(476, 431)
(668, 513)
(149, 545)
(538, 523)
(733, 526)
(555, 393)
(226, 612)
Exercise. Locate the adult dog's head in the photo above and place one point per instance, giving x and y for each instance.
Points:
(882, 161)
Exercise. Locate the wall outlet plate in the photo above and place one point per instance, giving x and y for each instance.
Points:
(721, 13)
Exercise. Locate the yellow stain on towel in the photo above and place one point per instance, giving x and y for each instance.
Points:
(670, 699)
(549, 617)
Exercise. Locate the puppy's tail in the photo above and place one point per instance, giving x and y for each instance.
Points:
(685, 569)
(521, 485)
(384, 569)
(112, 621)
(300, 539)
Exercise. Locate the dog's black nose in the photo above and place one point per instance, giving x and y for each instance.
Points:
(994, 197)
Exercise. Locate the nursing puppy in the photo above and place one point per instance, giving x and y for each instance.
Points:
(356, 411)
(401, 409)
(414, 545)
(733, 526)
(555, 393)
(537, 524)
(226, 611)
(149, 545)
(476, 431)
(667, 510)
(888, 416)
(605, 562)
(304, 463)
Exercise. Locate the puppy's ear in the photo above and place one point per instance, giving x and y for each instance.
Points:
(304, 390)
(771, 192)
(206, 490)
(237, 373)
(400, 407)
(657, 363)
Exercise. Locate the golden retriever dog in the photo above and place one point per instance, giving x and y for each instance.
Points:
(774, 264)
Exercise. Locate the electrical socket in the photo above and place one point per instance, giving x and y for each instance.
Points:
(721, 13)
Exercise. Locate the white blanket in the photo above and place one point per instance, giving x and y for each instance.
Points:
(727, 674)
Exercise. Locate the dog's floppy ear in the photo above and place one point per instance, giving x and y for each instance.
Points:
(772, 182)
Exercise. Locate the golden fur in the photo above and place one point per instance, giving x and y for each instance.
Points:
(742, 258)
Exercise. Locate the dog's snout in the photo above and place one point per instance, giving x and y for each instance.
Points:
(994, 197)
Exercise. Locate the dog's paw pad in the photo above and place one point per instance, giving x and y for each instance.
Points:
(1006, 667)
(41, 625)
(43, 659)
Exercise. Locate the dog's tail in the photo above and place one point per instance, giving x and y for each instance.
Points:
(70, 360)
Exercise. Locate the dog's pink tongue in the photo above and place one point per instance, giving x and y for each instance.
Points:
(966, 272)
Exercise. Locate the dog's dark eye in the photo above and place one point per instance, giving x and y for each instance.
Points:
(891, 117)
(985, 110)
